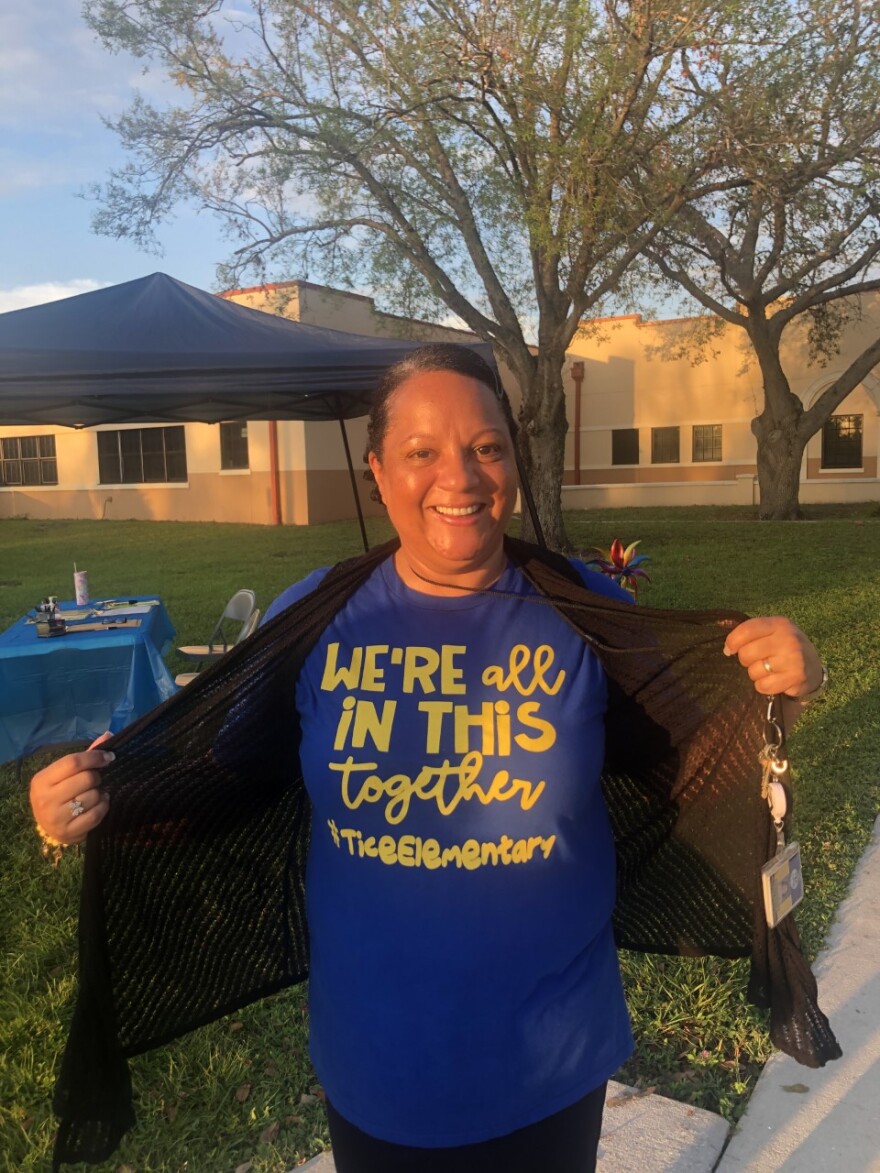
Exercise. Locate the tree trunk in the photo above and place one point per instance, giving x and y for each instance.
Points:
(777, 429)
(542, 428)
(780, 451)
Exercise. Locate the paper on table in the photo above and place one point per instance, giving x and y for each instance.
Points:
(116, 604)
(114, 625)
(112, 612)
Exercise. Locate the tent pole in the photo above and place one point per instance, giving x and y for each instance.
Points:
(525, 490)
(351, 477)
(274, 479)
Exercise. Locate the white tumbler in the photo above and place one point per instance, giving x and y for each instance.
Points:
(81, 587)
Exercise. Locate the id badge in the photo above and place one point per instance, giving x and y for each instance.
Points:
(783, 884)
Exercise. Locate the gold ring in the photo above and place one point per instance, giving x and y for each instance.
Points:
(767, 667)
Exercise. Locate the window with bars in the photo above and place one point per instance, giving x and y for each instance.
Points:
(842, 442)
(141, 455)
(665, 445)
(707, 442)
(234, 445)
(28, 460)
(625, 446)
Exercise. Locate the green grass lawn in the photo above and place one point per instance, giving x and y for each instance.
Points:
(241, 1090)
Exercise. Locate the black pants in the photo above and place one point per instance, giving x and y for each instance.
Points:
(563, 1143)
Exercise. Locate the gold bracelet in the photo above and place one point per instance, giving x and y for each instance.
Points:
(52, 847)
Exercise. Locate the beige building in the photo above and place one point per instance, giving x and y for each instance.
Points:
(648, 425)
(659, 424)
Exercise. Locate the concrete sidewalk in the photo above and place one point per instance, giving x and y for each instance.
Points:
(799, 1120)
(805, 1121)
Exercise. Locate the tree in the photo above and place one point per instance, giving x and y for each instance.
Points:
(793, 237)
(468, 154)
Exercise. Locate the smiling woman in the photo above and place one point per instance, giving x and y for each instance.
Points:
(444, 719)
(441, 451)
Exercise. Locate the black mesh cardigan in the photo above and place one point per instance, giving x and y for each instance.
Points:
(193, 892)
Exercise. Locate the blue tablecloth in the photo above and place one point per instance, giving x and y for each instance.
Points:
(75, 686)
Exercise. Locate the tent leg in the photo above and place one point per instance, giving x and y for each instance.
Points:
(351, 477)
(274, 477)
(526, 491)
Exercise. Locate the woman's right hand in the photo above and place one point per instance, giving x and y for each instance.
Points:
(71, 782)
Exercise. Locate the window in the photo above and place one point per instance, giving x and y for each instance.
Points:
(234, 445)
(625, 446)
(664, 445)
(28, 460)
(139, 455)
(707, 442)
(842, 442)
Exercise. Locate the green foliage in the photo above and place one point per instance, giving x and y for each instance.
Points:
(205, 1102)
(505, 162)
(511, 163)
(800, 130)
(477, 155)
(792, 239)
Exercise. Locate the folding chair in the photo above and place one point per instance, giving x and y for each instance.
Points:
(242, 609)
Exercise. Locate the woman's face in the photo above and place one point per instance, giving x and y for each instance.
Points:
(448, 478)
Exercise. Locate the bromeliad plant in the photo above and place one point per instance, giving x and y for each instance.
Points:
(623, 565)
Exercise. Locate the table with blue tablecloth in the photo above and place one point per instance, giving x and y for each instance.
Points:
(73, 687)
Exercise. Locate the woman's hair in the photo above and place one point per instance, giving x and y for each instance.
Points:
(436, 356)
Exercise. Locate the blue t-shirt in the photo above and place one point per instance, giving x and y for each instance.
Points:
(460, 881)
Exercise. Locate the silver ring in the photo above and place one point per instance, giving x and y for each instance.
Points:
(76, 808)
(767, 667)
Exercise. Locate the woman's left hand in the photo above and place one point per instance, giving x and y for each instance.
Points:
(777, 656)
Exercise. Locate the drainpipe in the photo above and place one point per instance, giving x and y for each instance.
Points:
(274, 479)
(577, 374)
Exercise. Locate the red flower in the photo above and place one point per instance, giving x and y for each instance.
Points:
(622, 564)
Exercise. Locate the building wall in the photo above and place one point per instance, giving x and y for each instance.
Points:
(647, 374)
(208, 494)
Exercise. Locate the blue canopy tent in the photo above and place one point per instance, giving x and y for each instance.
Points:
(156, 350)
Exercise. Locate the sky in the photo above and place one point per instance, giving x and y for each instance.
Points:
(56, 83)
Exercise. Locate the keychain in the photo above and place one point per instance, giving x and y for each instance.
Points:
(781, 877)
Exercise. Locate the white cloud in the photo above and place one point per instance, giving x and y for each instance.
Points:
(56, 83)
(60, 170)
(56, 76)
(19, 297)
